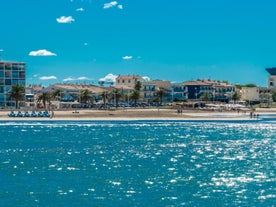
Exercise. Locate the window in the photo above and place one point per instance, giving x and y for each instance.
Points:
(7, 74)
(8, 82)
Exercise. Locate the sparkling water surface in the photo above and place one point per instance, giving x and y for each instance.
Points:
(138, 163)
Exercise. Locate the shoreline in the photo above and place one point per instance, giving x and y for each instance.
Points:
(139, 114)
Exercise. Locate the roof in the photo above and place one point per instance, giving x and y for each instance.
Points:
(271, 71)
(128, 77)
(76, 88)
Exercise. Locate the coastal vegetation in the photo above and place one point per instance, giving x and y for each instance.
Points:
(17, 94)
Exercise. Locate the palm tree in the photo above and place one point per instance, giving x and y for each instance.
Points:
(135, 96)
(17, 94)
(44, 98)
(104, 97)
(138, 86)
(206, 97)
(160, 93)
(57, 94)
(86, 96)
(236, 96)
(117, 96)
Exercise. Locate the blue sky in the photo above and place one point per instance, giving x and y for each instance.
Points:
(176, 40)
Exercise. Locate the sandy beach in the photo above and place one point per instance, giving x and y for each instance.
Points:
(137, 114)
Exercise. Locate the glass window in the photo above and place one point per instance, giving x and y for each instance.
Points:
(7, 89)
(14, 81)
(22, 74)
(21, 82)
(14, 74)
(7, 74)
(8, 82)
(8, 66)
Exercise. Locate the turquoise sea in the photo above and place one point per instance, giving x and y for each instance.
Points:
(138, 163)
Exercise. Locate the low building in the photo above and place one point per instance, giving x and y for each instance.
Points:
(214, 90)
(150, 89)
(179, 92)
(256, 95)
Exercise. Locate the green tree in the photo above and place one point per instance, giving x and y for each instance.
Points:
(251, 85)
(160, 93)
(206, 97)
(57, 94)
(17, 94)
(138, 86)
(86, 96)
(236, 96)
(274, 96)
(117, 95)
(135, 95)
(104, 96)
(45, 98)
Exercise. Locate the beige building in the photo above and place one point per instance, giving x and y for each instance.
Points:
(256, 94)
(250, 94)
(128, 80)
(271, 78)
(150, 88)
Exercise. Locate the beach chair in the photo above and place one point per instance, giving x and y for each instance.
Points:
(46, 114)
(11, 114)
(26, 114)
(19, 114)
(40, 114)
(33, 114)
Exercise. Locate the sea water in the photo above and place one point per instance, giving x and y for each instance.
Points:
(138, 163)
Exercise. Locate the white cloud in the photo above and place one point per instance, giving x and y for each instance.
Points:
(65, 20)
(110, 4)
(120, 6)
(127, 57)
(68, 79)
(42, 52)
(109, 78)
(146, 78)
(82, 78)
(52, 77)
(80, 9)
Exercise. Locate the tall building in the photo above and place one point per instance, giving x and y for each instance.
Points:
(271, 78)
(11, 73)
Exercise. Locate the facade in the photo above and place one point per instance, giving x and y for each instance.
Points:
(250, 94)
(128, 80)
(11, 73)
(217, 91)
(271, 78)
(255, 95)
(179, 91)
(150, 88)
